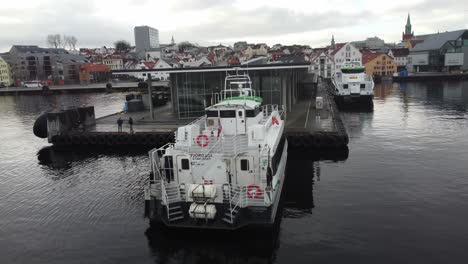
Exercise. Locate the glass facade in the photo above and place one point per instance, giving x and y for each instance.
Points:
(195, 90)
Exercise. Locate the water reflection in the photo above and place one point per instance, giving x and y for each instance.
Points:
(213, 246)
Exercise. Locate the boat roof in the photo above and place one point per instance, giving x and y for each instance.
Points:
(250, 102)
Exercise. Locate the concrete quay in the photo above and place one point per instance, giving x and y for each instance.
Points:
(431, 76)
(312, 127)
(79, 88)
(307, 128)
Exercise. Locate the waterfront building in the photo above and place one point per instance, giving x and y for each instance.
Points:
(345, 53)
(400, 56)
(35, 63)
(94, 73)
(5, 73)
(196, 89)
(379, 64)
(115, 61)
(442, 52)
(146, 38)
(322, 65)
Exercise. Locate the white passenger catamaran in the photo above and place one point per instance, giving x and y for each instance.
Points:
(352, 84)
(226, 169)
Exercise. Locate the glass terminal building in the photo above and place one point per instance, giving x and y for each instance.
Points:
(194, 89)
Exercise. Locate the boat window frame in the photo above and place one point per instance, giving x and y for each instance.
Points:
(227, 113)
(185, 164)
(244, 163)
(211, 113)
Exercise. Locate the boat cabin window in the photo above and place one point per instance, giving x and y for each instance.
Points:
(227, 113)
(244, 164)
(252, 113)
(240, 113)
(353, 70)
(211, 113)
(185, 164)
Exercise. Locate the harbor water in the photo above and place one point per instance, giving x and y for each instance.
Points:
(399, 195)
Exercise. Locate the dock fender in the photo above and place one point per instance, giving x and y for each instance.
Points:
(145, 139)
(101, 139)
(118, 139)
(92, 139)
(67, 140)
(40, 126)
(75, 140)
(109, 139)
(84, 139)
(58, 139)
(153, 140)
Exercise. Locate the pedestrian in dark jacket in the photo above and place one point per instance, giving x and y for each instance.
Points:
(130, 122)
(119, 124)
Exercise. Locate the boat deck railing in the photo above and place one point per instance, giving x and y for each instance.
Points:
(224, 144)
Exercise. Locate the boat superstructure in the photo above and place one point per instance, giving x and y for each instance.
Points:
(224, 170)
(351, 83)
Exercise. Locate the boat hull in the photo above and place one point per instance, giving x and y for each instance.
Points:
(251, 216)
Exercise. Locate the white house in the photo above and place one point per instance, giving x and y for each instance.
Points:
(203, 61)
(322, 65)
(153, 54)
(115, 62)
(345, 53)
(256, 50)
(400, 56)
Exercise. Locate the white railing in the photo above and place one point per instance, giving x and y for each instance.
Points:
(227, 145)
(268, 109)
(243, 197)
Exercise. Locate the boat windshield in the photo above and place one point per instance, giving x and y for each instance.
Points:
(352, 70)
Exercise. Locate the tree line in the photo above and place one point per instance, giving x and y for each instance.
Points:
(59, 41)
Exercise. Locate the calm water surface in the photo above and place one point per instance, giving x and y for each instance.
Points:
(399, 196)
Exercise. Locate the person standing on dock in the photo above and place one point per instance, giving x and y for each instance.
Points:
(130, 122)
(119, 124)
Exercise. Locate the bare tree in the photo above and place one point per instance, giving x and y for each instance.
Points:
(52, 40)
(72, 41)
(66, 41)
(59, 41)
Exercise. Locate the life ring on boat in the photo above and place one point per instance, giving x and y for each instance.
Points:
(202, 140)
(254, 191)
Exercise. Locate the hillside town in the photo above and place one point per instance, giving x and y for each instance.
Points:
(437, 52)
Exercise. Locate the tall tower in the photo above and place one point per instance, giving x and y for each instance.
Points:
(333, 42)
(172, 41)
(408, 25)
(146, 38)
(408, 34)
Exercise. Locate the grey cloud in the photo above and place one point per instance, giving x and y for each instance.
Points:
(268, 21)
(64, 17)
(194, 5)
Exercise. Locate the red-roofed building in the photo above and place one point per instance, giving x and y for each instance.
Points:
(148, 65)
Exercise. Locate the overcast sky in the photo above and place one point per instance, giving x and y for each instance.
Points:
(98, 23)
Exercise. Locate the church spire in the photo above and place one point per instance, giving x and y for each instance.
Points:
(333, 42)
(408, 25)
(172, 40)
